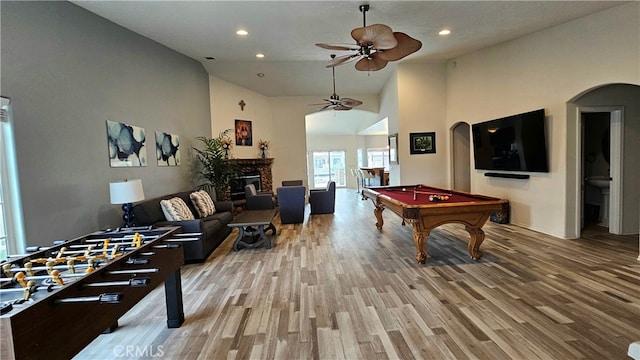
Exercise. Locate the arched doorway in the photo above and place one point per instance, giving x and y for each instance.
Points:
(619, 103)
(461, 157)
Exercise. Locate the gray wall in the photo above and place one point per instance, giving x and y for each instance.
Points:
(67, 71)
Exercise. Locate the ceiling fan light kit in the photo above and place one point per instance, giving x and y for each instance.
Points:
(376, 45)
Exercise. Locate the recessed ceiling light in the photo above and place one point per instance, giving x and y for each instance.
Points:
(444, 32)
(260, 55)
(242, 32)
(260, 75)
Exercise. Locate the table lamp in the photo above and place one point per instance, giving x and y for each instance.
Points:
(126, 193)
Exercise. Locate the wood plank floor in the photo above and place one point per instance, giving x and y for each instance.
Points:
(337, 288)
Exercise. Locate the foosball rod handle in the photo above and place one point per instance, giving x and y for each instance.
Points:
(135, 282)
(106, 298)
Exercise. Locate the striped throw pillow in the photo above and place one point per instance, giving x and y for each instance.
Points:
(175, 209)
(203, 203)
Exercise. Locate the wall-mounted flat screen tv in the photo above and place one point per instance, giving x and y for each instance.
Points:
(512, 143)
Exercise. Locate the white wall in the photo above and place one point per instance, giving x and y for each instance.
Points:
(422, 108)
(281, 120)
(389, 109)
(225, 109)
(543, 70)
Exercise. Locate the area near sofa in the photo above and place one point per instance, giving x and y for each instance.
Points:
(211, 230)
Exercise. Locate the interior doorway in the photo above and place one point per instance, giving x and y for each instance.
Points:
(601, 147)
(620, 100)
(461, 157)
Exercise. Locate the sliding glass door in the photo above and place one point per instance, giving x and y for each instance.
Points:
(326, 166)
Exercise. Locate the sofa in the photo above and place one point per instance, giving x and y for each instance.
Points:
(213, 229)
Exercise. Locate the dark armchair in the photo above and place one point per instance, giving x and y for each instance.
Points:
(257, 200)
(323, 201)
(292, 183)
(291, 202)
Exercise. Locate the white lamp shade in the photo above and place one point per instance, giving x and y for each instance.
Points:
(126, 191)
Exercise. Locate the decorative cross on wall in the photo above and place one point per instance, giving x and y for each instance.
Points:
(242, 104)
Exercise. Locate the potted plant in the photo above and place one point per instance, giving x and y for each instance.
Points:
(214, 167)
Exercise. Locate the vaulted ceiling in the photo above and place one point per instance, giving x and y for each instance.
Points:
(286, 33)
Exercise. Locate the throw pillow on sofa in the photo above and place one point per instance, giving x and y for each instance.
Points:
(175, 209)
(203, 203)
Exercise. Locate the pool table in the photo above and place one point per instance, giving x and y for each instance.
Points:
(413, 204)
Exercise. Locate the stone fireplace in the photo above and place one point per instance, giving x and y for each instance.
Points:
(249, 170)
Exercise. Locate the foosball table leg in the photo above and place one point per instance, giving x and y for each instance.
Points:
(173, 297)
(111, 328)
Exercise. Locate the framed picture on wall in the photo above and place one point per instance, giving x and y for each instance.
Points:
(422, 143)
(126, 144)
(167, 149)
(393, 149)
(244, 133)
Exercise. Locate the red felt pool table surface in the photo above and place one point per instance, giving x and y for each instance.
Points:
(471, 210)
(405, 194)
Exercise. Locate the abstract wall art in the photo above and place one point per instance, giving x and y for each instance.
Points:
(126, 145)
(167, 149)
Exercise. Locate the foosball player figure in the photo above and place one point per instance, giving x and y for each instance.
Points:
(55, 275)
(50, 266)
(114, 250)
(28, 267)
(61, 253)
(20, 278)
(71, 265)
(137, 240)
(28, 290)
(105, 246)
(88, 251)
(6, 268)
(90, 267)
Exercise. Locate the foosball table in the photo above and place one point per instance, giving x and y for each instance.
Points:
(56, 300)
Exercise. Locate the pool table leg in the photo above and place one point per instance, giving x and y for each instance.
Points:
(475, 240)
(377, 211)
(420, 237)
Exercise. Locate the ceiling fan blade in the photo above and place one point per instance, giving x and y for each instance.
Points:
(350, 102)
(328, 106)
(342, 107)
(378, 35)
(371, 63)
(336, 46)
(342, 60)
(406, 45)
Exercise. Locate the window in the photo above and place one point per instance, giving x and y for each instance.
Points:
(378, 158)
(11, 230)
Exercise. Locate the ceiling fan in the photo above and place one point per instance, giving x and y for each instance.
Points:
(334, 102)
(375, 46)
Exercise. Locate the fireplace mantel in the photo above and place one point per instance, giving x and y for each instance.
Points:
(250, 162)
